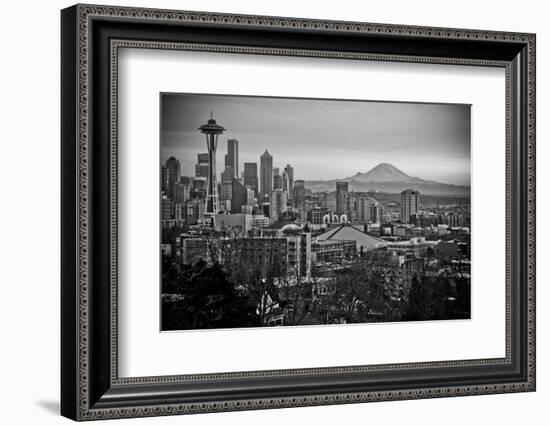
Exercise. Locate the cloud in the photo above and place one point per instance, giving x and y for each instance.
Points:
(324, 139)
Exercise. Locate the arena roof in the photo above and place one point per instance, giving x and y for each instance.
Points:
(347, 232)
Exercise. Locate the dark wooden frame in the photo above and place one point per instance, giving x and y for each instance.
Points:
(90, 386)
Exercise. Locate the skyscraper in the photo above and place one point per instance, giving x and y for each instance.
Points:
(367, 209)
(410, 202)
(198, 188)
(226, 184)
(277, 204)
(167, 209)
(232, 156)
(299, 194)
(201, 168)
(250, 177)
(341, 197)
(181, 193)
(277, 179)
(173, 167)
(239, 196)
(227, 174)
(266, 176)
(186, 180)
(288, 180)
(165, 180)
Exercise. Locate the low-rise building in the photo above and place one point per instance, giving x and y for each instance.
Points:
(315, 216)
(238, 223)
(260, 221)
(299, 251)
(270, 253)
(329, 251)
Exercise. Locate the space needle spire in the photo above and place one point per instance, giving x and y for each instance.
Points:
(211, 130)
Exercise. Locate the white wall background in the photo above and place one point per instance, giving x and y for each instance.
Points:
(29, 213)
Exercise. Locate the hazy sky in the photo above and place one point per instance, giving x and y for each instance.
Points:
(323, 139)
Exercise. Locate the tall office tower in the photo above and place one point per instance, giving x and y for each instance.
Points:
(211, 131)
(299, 194)
(226, 184)
(182, 192)
(167, 210)
(367, 209)
(410, 203)
(227, 174)
(232, 156)
(349, 205)
(186, 180)
(328, 201)
(277, 204)
(288, 180)
(201, 168)
(226, 187)
(250, 177)
(266, 176)
(341, 197)
(249, 196)
(165, 180)
(174, 175)
(195, 211)
(277, 179)
(198, 188)
(239, 196)
(284, 178)
(180, 211)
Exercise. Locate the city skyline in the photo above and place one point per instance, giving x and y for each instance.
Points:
(266, 247)
(441, 132)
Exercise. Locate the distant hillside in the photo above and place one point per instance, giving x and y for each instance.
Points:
(425, 200)
(388, 178)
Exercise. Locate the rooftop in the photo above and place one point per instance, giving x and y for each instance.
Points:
(348, 232)
(291, 229)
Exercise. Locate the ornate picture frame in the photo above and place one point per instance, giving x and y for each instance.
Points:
(91, 37)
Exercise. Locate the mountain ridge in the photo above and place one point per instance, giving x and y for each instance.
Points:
(385, 177)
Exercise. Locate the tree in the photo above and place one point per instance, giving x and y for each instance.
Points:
(170, 274)
(432, 296)
(357, 293)
(295, 297)
(259, 276)
(207, 300)
(255, 274)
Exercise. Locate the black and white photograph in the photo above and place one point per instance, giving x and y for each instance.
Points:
(305, 212)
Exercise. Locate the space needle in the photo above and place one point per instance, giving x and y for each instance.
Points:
(211, 130)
